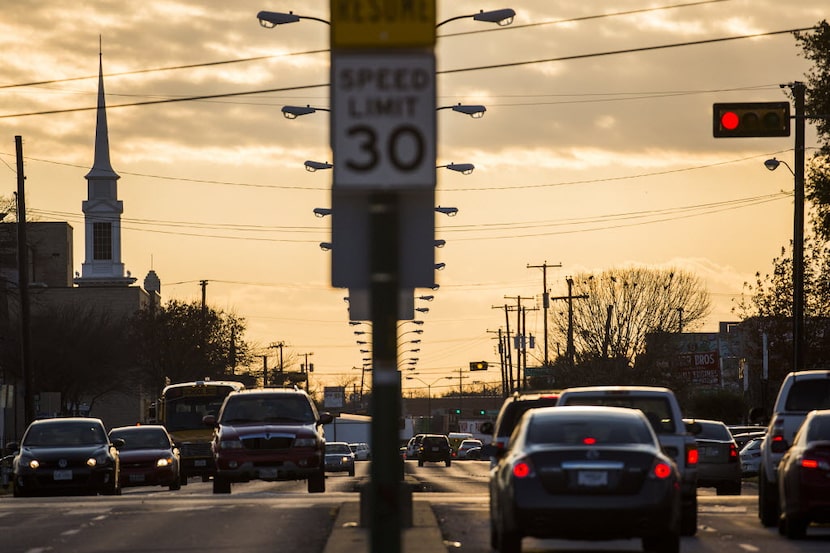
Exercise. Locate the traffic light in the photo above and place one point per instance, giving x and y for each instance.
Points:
(745, 119)
(478, 365)
(482, 411)
(457, 411)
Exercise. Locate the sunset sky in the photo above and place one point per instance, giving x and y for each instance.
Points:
(596, 153)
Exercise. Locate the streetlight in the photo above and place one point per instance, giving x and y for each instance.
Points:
(269, 20)
(425, 298)
(476, 111)
(501, 17)
(429, 394)
(312, 166)
(772, 165)
(448, 211)
(292, 112)
(463, 168)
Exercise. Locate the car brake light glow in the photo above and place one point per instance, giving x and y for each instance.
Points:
(521, 470)
(662, 470)
(589, 440)
(692, 455)
(733, 453)
(809, 463)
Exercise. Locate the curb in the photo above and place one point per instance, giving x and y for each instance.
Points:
(348, 537)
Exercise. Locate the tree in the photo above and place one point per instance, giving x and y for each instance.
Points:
(186, 341)
(620, 307)
(815, 45)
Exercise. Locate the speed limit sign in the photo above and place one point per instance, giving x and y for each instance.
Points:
(383, 119)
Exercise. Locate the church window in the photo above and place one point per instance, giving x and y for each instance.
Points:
(102, 240)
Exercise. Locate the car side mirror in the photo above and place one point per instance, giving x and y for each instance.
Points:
(779, 446)
(486, 427)
(325, 418)
(13, 446)
(118, 443)
(209, 420)
(694, 427)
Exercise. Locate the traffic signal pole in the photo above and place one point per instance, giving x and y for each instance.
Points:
(798, 90)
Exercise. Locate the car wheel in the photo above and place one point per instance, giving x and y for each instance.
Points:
(509, 541)
(221, 484)
(175, 485)
(688, 517)
(767, 501)
(351, 471)
(448, 462)
(494, 535)
(795, 527)
(668, 543)
(420, 463)
(317, 482)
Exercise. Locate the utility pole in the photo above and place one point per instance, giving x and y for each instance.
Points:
(520, 338)
(508, 358)
(569, 298)
(545, 300)
(307, 369)
(264, 371)
(798, 90)
(23, 286)
(203, 284)
(280, 345)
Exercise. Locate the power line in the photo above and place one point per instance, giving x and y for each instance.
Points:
(441, 72)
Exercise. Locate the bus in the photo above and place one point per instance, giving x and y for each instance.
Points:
(181, 408)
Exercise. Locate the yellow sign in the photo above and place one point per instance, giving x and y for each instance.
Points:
(382, 23)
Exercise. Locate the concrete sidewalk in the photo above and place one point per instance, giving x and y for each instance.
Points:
(348, 537)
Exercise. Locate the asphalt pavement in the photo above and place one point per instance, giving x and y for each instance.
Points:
(347, 536)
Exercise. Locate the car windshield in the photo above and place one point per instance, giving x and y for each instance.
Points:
(145, 439)
(338, 449)
(65, 434)
(587, 431)
(276, 408)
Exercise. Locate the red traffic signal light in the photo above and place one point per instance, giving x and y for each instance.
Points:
(745, 119)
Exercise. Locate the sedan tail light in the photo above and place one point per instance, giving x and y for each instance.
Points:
(692, 454)
(733, 453)
(522, 468)
(661, 470)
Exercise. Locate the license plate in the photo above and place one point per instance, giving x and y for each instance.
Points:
(62, 474)
(136, 478)
(434, 449)
(200, 463)
(711, 452)
(592, 478)
(268, 472)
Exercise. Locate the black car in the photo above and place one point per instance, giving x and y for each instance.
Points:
(66, 455)
(512, 410)
(148, 457)
(435, 448)
(804, 477)
(585, 473)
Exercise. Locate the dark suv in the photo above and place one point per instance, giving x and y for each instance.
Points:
(511, 411)
(435, 448)
(269, 434)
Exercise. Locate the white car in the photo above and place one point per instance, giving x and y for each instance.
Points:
(466, 446)
(361, 451)
(751, 457)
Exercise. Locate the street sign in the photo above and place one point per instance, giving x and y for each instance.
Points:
(383, 120)
(373, 24)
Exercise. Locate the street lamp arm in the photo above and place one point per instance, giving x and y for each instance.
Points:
(501, 17)
(269, 20)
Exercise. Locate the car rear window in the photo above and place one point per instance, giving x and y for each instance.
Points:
(808, 394)
(656, 408)
(514, 411)
(819, 429)
(587, 431)
(711, 431)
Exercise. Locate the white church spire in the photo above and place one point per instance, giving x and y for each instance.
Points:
(102, 210)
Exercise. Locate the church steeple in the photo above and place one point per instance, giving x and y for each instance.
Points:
(102, 210)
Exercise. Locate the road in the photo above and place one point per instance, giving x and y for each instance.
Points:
(261, 517)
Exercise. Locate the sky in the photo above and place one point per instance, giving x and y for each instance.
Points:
(595, 153)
